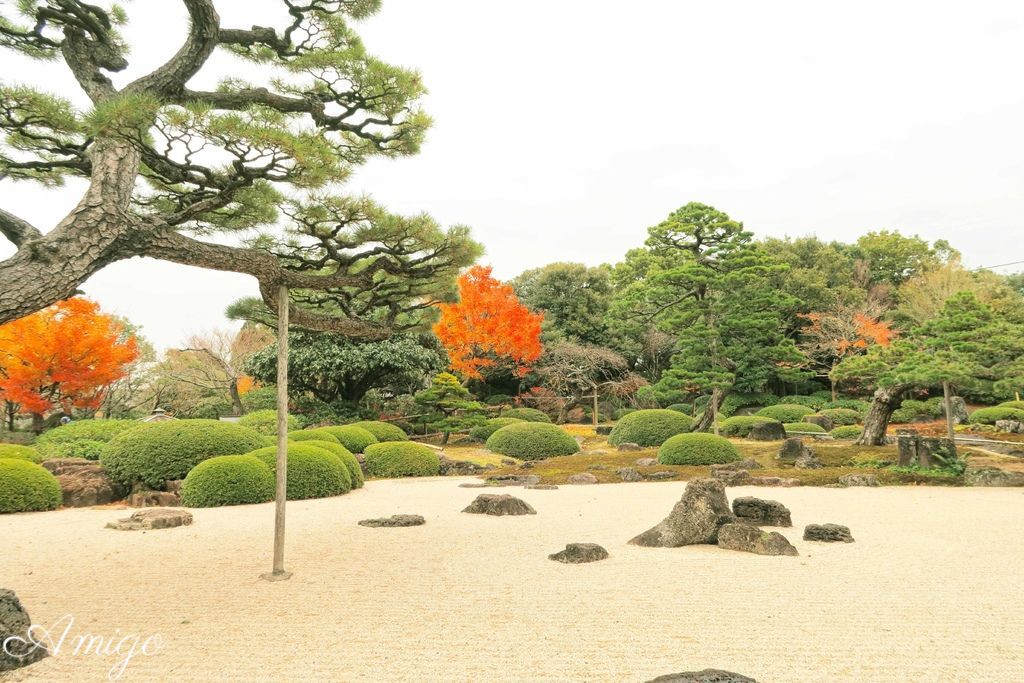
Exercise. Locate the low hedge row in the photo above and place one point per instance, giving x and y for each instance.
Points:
(355, 439)
(526, 414)
(265, 421)
(796, 427)
(989, 416)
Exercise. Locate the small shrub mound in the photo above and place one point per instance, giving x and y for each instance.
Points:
(321, 434)
(850, 403)
(526, 414)
(846, 432)
(93, 430)
(685, 408)
(532, 441)
(382, 431)
(740, 425)
(355, 439)
(649, 427)
(312, 472)
(484, 431)
(27, 487)
(792, 427)
(402, 459)
(1019, 405)
(228, 480)
(11, 450)
(265, 421)
(697, 449)
(989, 416)
(842, 416)
(349, 460)
(160, 451)
(85, 448)
(816, 402)
(786, 412)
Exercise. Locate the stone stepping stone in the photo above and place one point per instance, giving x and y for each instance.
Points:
(394, 521)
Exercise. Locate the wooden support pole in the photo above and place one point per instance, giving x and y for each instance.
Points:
(278, 573)
(595, 406)
(947, 397)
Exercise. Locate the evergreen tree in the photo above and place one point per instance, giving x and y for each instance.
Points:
(451, 407)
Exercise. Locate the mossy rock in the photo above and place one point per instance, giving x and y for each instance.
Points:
(228, 480)
(382, 431)
(12, 450)
(786, 412)
(312, 472)
(484, 431)
(355, 439)
(27, 487)
(526, 414)
(740, 425)
(648, 428)
(265, 421)
(532, 441)
(402, 459)
(796, 427)
(697, 449)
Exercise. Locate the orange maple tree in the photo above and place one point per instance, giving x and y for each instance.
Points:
(62, 357)
(488, 327)
(844, 331)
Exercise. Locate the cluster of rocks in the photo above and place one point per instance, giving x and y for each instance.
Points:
(453, 468)
(992, 476)
(738, 474)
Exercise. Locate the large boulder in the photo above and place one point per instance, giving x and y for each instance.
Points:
(703, 676)
(1010, 426)
(767, 431)
(760, 512)
(750, 539)
(792, 449)
(959, 409)
(582, 478)
(992, 476)
(923, 451)
(153, 518)
(394, 521)
(822, 421)
(696, 518)
(16, 648)
(579, 553)
(84, 482)
(629, 446)
(858, 480)
(828, 533)
(499, 505)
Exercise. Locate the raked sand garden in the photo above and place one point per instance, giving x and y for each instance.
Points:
(928, 592)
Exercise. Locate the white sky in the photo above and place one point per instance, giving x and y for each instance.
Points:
(564, 128)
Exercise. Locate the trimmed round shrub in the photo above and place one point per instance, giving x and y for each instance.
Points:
(532, 441)
(842, 416)
(649, 427)
(402, 459)
(684, 408)
(349, 460)
(159, 451)
(988, 416)
(382, 431)
(319, 434)
(93, 430)
(620, 413)
(484, 431)
(265, 421)
(85, 448)
(312, 472)
(1019, 405)
(740, 425)
(697, 449)
(802, 427)
(499, 400)
(526, 414)
(27, 487)
(228, 480)
(355, 439)
(846, 432)
(13, 450)
(786, 412)
(851, 403)
(816, 402)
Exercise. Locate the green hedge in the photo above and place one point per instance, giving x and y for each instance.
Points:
(1019, 405)
(27, 487)
(159, 451)
(318, 434)
(84, 448)
(736, 401)
(816, 402)
(851, 404)
(912, 408)
(93, 430)
(532, 441)
(349, 460)
(484, 431)
(786, 412)
(526, 414)
(13, 450)
(846, 432)
(228, 480)
(988, 416)
(684, 408)
(740, 425)
(499, 400)
(697, 449)
(649, 427)
(803, 427)
(355, 439)
(402, 459)
(312, 472)
(842, 416)
(382, 431)
(265, 421)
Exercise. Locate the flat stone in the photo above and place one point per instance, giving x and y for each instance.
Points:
(992, 476)
(774, 481)
(629, 474)
(542, 487)
(508, 462)
(1010, 426)
(858, 480)
(828, 533)
(629, 447)
(394, 521)
(579, 553)
(582, 478)
(750, 539)
(499, 505)
(16, 648)
(474, 485)
(760, 512)
(660, 476)
(695, 519)
(153, 518)
(597, 467)
(703, 676)
(745, 464)
(646, 462)
(512, 480)
(732, 477)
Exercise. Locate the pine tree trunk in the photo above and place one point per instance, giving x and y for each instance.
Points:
(711, 411)
(563, 414)
(237, 409)
(885, 401)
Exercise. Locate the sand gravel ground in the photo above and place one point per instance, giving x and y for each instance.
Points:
(931, 590)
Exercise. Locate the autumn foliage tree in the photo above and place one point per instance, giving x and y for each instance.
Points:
(842, 332)
(488, 328)
(62, 357)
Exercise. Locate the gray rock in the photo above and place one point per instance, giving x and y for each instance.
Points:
(696, 518)
(767, 431)
(959, 409)
(792, 449)
(451, 467)
(152, 499)
(660, 476)
(822, 421)
(732, 477)
(992, 476)
(581, 478)
(760, 512)
(499, 505)
(153, 518)
(750, 539)
(393, 521)
(745, 464)
(923, 451)
(512, 480)
(84, 482)
(508, 462)
(579, 553)
(774, 481)
(16, 648)
(629, 447)
(807, 461)
(703, 676)
(828, 533)
(1010, 426)
(473, 485)
(629, 474)
(646, 462)
(542, 487)
(858, 480)
(603, 430)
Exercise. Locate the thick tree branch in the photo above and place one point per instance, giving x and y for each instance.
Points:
(203, 37)
(15, 229)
